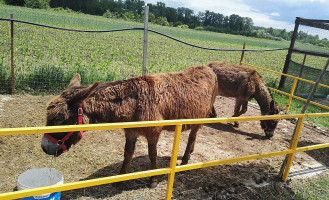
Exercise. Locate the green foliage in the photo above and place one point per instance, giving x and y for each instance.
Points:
(43, 78)
(109, 14)
(184, 26)
(15, 2)
(161, 21)
(4, 77)
(312, 188)
(199, 28)
(43, 4)
(128, 16)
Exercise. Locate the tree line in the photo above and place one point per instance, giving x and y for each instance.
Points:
(181, 17)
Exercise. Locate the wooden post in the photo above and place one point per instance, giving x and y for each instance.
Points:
(146, 21)
(12, 54)
(242, 53)
(288, 57)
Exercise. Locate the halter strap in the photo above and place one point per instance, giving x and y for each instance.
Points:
(68, 135)
(266, 128)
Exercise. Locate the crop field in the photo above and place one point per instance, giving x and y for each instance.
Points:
(52, 56)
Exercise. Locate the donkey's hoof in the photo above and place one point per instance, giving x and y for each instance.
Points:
(233, 124)
(269, 134)
(184, 162)
(153, 184)
(212, 115)
(236, 125)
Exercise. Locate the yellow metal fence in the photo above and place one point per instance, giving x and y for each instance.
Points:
(172, 169)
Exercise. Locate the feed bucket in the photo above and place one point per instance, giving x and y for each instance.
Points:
(40, 177)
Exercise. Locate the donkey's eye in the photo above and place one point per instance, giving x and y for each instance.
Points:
(59, 122)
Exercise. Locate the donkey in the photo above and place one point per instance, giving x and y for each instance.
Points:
(243, 84)
(189, 94)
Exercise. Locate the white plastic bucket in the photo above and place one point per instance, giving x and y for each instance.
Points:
(40, 177)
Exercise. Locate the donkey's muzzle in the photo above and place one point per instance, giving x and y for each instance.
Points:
(269, 133)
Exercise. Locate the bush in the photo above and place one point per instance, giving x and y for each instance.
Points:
(199, 28)
(128, 16)
(161, 21)
(43, 4)
(109, 14)
(184, 26)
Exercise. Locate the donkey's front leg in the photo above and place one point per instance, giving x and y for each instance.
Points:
(190, 144)
(152, 150)
(129, 151)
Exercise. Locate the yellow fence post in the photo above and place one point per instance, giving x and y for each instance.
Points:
(171, 176)
(291, 94)
(293, 146)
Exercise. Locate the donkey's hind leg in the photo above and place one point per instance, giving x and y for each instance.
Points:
(190, 144)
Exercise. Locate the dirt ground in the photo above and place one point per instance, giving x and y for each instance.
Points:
(102, 155)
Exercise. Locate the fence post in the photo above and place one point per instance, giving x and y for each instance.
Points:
(12, 54)
(242, 53)
(288, 57)
(301, 71)
(291, 94)
(310, 96)
(293, 146)
(146, 21)
(171, 176)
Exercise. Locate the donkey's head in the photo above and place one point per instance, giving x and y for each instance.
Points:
(65, 110)
(269, 126)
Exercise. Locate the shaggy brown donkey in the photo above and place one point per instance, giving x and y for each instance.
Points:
(243, 84)
(189, 94)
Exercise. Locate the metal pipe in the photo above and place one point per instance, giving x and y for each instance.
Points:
(146, 21)
(12, 54)
(242, 53)
(171, 176)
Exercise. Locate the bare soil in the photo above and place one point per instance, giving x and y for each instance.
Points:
(102, 155)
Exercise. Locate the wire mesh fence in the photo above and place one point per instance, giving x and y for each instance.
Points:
(46, 58)
(309, 73)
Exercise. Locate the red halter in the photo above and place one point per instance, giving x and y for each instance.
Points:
(67, 136)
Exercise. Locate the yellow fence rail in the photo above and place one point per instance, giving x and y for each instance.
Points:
(172, 168)
(291, 95)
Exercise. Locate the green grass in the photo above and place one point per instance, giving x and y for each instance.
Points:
(312, 188)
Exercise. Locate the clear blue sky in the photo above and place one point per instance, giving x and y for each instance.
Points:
(267, 13)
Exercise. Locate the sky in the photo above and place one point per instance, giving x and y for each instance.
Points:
(266, 13)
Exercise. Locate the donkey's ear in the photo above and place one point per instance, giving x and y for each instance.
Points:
(272, 105)
(84, 93)
(75, 81)
(77, 95)
(283, 108)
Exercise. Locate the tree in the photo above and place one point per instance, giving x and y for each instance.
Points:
(37, 3)
(15, 2)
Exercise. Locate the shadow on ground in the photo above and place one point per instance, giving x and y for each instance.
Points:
(238, 181)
